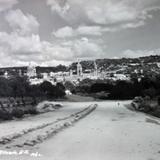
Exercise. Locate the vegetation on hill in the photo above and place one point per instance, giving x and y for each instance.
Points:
(105, 63)
(14, 71)
(102, 64)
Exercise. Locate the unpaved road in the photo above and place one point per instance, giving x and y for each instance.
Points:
(110, 132)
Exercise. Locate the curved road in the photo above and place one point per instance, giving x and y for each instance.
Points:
(111, 132)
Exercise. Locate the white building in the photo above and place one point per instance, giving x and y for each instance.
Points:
(79, 69)
(6, 74)
(31, 71)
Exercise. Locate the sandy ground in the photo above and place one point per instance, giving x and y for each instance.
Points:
(111, 132)
(16, 126)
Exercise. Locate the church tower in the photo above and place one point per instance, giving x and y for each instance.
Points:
(95, 69)
(31, 71)
(79, 69)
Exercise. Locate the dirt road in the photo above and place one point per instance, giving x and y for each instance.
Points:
(111, 132)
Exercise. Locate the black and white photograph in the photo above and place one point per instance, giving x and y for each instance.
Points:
(79, 79)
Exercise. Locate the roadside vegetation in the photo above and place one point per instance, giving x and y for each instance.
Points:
(146, 105)
(18, 97)
(145, 93)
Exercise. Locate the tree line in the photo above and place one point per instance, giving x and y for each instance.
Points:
(120, 89)
(20, 87)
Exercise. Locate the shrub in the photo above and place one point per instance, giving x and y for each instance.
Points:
(138, 100)
(18, 113)
(4, 115)
(147, 98)
(158, 100)
(32, 111)
(135, 105)
(147, 107)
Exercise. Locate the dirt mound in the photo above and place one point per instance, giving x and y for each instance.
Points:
(47, 106)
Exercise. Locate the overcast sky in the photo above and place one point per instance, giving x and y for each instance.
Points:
(51, 32)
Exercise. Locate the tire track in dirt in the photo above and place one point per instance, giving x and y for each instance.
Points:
(36, 135)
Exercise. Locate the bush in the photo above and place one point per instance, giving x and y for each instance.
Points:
(138, 99)
(158, 100)
(52, 91)
(18, 113)
(151, 92)
(4, 115)
(69, 86)
(32, 111)
(147, 98)
(147, 107)
(135, 105)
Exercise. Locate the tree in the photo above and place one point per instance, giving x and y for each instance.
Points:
(5, 88)
(60, 90)
(151, 92)
(158, 100)
(19, 86)
(47, 88)
(99, 87)
(69, 86)
(51, 91)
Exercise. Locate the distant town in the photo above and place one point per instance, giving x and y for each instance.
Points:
(112, 69)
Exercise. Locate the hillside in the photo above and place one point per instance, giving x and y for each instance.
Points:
(103, 64)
